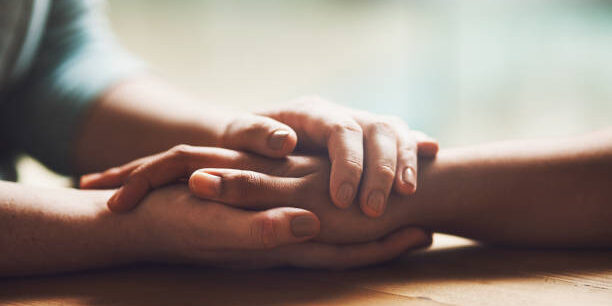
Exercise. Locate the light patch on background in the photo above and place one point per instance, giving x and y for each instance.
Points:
(464, 71)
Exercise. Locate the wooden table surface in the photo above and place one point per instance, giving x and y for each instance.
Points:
(453, 272)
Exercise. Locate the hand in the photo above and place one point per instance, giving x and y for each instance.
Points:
(387, 144)
(142, 175)
(176, 226)
(381, 147)
(390, 147)
(303, 184)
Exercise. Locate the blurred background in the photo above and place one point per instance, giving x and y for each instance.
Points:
(463, 71)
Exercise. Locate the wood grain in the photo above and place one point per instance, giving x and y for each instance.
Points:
(453, 272)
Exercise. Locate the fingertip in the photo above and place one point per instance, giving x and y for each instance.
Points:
(374, 205)
(205, 185)
(283, 226)
(370, 212)
(427, 145)
(344, 196)
(340, 205)
(281, 142)
(428, 148)
(403, 188)
(116, 203)
(407, 181)
(114, 207)
(261, 135)
(88, 180)
(125, 199)
(107, 179)
(305, 226)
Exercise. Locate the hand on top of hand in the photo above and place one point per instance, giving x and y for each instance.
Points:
(172, 225)
(301, 182)
(369, 154)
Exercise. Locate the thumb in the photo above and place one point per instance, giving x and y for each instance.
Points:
(260, 135)
(281, 226)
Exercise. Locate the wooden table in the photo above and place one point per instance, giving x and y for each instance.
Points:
(454, 271)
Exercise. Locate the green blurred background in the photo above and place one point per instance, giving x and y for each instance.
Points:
(463, 71)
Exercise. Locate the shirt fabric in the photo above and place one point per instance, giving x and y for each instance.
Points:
(56, 58)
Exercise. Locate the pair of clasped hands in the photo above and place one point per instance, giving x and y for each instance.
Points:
(254, 203)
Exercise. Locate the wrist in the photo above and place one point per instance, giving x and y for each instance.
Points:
(122, 235)
(428, 207)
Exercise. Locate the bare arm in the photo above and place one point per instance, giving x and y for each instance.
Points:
(140, 117)
(545, 193)
(533, 193)
(44, 230)
(145, 115)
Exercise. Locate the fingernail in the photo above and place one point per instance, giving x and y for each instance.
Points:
(304, 226)
(376, 200)
(277, 139)
(205, 184)
(345, 193)
(409, 177)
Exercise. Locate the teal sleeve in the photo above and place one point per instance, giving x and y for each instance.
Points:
(78, 59)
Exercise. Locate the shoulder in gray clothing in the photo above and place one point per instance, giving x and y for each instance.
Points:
(56, 58)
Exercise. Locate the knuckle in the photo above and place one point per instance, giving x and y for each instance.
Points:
(250, 179)
(345, 127)
(385, 171)
(139, 178)
(354, 166)
(381, 127)
(243, 128)
(227, 136)
(408, 152)
(264, 232)
(244, 183)
(181, 151)
(255, 127)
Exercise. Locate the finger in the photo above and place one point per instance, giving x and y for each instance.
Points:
(407, 164)
(427, 146)
(112, 177)
(239, 229)
(346, 155)
(381, 160)
(259, 134)
(318, 255)
(180, 162)
(323, 255)
(323, 127)
(243, 188)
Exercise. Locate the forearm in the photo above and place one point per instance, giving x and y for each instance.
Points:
(45, 230)
(140, 117)
(531, 193)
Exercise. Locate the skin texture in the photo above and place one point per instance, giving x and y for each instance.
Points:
(388, 157)
(143, 116)
(538, 193)
(543, 193)
(45, 230)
